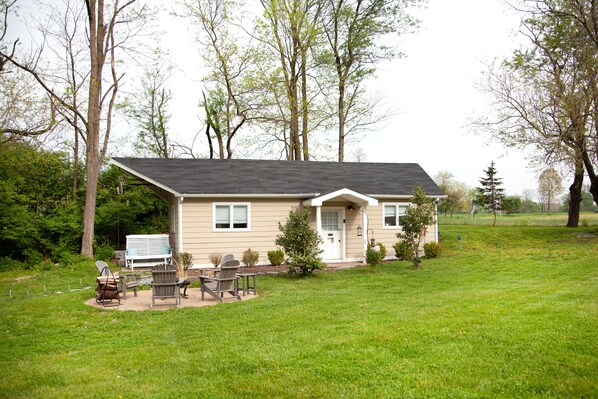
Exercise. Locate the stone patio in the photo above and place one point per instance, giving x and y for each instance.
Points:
(143, 301)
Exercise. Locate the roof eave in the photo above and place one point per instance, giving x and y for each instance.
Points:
(144, 177)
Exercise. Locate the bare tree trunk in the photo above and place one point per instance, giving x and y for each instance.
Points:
(305, 111)
(575, 197)
(97, 33)
(591, 174)
(341, 123)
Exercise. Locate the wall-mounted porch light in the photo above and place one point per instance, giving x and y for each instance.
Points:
(359, 231)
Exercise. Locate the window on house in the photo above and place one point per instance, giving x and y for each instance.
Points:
(231, 216)
(393, 214)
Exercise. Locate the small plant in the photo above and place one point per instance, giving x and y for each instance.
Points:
(373, 256)
(403, 250)
(276, 257)
(301, 242)
(305, 264)
(250, 258)
(382, 250)
(216, 258)
(417, 217)
(182, 261)
(432, 249)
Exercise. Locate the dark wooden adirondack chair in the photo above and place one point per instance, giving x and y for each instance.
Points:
(164, 283)
(224, 282)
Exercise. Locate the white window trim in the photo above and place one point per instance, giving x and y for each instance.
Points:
(231, 204)
(397, 204)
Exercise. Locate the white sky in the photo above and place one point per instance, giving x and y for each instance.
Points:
(432, 88)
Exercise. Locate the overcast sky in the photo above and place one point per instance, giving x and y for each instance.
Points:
(432, 88)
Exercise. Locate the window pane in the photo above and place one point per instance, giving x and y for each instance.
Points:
(390, 215)
(222, 216)
(402, 213)
(240, 217)
(329, 220)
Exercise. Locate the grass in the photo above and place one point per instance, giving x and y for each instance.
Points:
(515, 315)
(520, 219)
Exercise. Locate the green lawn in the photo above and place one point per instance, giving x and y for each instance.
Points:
(515, 315)
(520, 219)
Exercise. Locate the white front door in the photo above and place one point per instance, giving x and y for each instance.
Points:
(332, 234)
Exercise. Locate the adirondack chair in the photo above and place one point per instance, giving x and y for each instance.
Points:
(107, 285)
(226, 258)
(164, 283)
(224, 282)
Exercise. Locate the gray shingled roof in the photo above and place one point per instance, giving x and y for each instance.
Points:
(258, 177)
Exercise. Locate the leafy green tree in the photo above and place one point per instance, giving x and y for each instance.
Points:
(300, 241)
(491, 194)
(147, 108)
(550, 185)
(512, 204)
(417, 217)
(38, 215)
(132, 209)
(109, 29)
(355, 32)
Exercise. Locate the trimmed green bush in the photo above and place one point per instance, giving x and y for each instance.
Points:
(382, 250)
(432, 249)
(403, 250)
(373, 256)
(276, 257)
(300, 241)
(305, 264)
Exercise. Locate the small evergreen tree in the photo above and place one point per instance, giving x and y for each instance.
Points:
(300, 242)
(417, 217)
(491, 194)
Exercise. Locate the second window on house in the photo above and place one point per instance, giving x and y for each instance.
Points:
(393, 213)
(231, 216)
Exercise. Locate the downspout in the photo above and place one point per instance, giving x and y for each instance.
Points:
(319, 222)
(436, 218)
(364, 221)
(180, 225)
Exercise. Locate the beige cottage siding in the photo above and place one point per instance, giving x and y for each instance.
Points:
(200, 239)
(354, 246)
(388, 235)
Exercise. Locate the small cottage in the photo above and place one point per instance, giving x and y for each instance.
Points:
(231, 205)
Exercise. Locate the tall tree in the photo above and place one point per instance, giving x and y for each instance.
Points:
(354, 31)
(547, 96)
(24, 111)
(289, 31)
(550, 185)
(147, 108)
(491, 194)
(228, 58)
(109, 25)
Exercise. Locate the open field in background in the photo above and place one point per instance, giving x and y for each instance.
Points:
(515, 315)
(521, 219)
